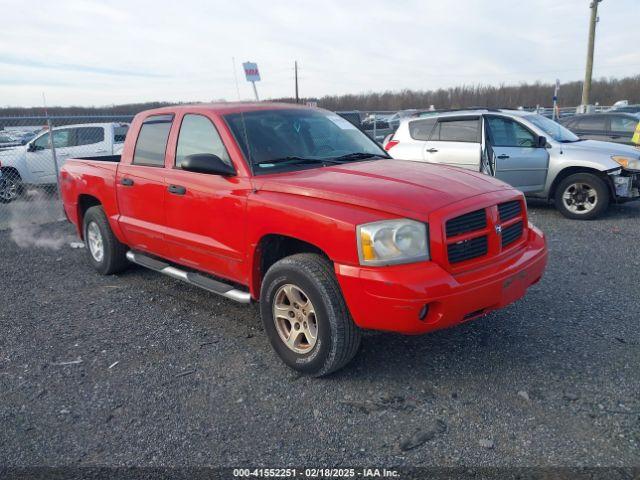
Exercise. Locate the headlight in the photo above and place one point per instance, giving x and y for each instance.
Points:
(627, 162)
(392, 241)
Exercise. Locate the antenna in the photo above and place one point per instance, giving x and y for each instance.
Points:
(235, 76)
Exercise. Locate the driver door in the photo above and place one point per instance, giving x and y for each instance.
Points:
(515, 157)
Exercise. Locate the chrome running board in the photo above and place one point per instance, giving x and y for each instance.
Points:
(194, 279)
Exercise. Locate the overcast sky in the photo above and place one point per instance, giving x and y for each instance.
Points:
(86, 52)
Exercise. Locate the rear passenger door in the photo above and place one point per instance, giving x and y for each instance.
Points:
(140, 187)
(455, 141)
(516, 158)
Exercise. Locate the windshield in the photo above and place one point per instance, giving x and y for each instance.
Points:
(295, 138)
(552, 129)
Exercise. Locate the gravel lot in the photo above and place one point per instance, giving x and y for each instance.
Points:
(139, 369)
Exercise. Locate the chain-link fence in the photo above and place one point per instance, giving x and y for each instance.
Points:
(31, 158)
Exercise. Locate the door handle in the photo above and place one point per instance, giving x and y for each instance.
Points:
(502, 157)
(177, 189)
(432, 150)
(126, 182)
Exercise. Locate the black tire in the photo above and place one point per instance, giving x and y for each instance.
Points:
(114, 258)
(594, 182)
(11, 187)
(338, 338)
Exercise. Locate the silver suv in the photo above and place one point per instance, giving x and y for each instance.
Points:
(530, 152)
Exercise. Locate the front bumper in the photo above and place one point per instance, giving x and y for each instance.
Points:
(393, 298)
(626, 185)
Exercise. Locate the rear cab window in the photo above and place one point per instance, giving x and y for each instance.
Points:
(151, 145)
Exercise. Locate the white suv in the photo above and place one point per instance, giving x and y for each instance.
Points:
(528, 151)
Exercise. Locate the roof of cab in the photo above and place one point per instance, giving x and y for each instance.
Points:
(223, 108)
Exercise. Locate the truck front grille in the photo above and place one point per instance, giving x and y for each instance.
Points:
(469, 222)
(467, 249)
(483, 234)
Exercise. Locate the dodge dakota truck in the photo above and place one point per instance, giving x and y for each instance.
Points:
(297, 209)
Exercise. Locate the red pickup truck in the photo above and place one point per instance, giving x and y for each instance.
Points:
(298, 209)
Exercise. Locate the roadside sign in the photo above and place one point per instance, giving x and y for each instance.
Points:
(251, 71)
(636, 136)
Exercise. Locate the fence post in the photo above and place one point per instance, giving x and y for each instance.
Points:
(375, 121)
(54, 156)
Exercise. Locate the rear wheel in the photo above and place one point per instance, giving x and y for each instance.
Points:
(305, 316)
(106, 253)
(10, 186)
(582, 196)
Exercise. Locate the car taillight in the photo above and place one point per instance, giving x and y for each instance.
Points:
(390, 144)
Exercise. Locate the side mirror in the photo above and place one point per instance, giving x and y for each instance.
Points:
(541, 142)
(31, 147)
(207, 163)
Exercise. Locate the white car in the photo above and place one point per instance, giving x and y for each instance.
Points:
(33, 164)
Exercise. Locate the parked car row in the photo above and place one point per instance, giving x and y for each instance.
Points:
(33, 165)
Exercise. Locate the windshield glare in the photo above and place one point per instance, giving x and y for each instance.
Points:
(269, 135)
(552, 129)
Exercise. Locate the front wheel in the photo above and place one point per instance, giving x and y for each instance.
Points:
(305, 315)
(582, 196)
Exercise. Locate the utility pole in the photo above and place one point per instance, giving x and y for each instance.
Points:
(295, 67)
(586, 88)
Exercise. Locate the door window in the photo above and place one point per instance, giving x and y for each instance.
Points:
(199, 135)
(623, 124)
(61, 139)
(504, 132)
(457, 131)
(421, 129)
(152, 141)
(88, 135)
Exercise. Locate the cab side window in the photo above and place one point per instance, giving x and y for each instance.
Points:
(199, 135)
(421, 129)
(88, 135)
(622, 124)
(504, 132)
(152, 141)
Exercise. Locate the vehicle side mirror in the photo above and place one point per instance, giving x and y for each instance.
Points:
(31, 147)
(541, 141)
(207, 163)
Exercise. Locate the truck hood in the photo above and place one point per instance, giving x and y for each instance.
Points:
(607, 148)
(393, 186)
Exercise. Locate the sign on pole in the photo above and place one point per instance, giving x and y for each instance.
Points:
(252, 75)
(554, 114)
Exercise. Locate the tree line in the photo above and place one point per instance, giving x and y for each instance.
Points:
(604, 91)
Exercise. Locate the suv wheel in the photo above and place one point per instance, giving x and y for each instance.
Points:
(105, 252)
(582, 196)
(305, 316)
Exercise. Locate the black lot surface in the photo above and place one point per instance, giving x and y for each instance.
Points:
(139, 369)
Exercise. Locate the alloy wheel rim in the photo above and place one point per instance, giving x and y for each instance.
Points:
(8, 189)
(295, 319)
(94, 239)
(580, 198)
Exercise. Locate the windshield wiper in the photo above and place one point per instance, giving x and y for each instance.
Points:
(357, 156)
(293, 160)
